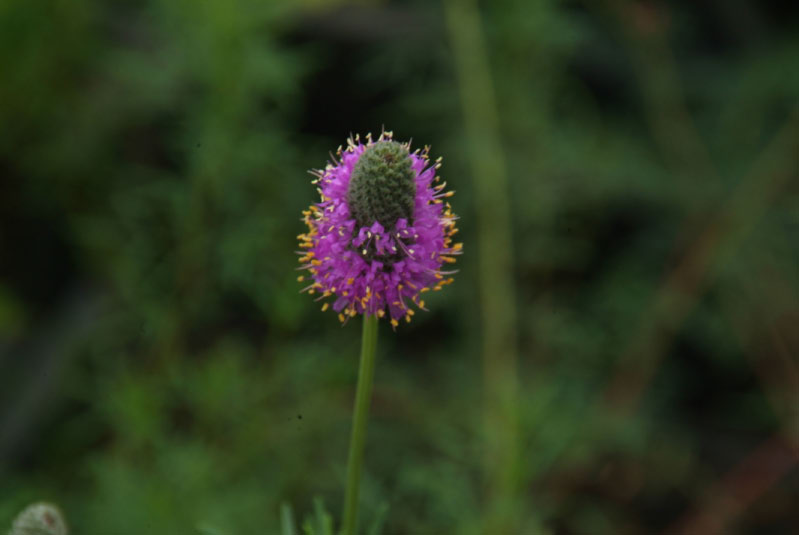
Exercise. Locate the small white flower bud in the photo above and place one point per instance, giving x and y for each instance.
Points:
(40, 519)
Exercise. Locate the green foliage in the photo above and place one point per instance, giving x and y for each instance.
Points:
(159, 372)
(320, 522)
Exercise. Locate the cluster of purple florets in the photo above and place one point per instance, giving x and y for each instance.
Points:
(371, 269)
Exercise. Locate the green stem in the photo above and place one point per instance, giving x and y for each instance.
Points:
(363, 395)
(495, 264)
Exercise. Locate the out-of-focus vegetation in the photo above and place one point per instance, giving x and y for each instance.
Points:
(160, 373)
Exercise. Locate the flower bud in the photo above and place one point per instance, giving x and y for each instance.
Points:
(40, 519)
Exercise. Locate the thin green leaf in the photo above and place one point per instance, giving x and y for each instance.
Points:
(380, 517)
(324, 521)
(286, 520)
(206, 529)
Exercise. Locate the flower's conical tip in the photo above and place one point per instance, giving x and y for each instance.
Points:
(383, 186)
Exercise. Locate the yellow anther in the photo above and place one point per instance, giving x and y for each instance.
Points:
(325, 307)
(300, 278)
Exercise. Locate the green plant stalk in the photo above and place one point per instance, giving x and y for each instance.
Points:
(495, 263)
(363, 396)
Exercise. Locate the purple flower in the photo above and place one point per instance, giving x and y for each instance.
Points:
(382, 232)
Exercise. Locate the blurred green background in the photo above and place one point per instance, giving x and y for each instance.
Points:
(618, 354)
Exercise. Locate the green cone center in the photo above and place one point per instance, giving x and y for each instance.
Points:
(383, 186)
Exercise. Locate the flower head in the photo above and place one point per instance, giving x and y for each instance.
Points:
(41, 519)
(382, 232)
